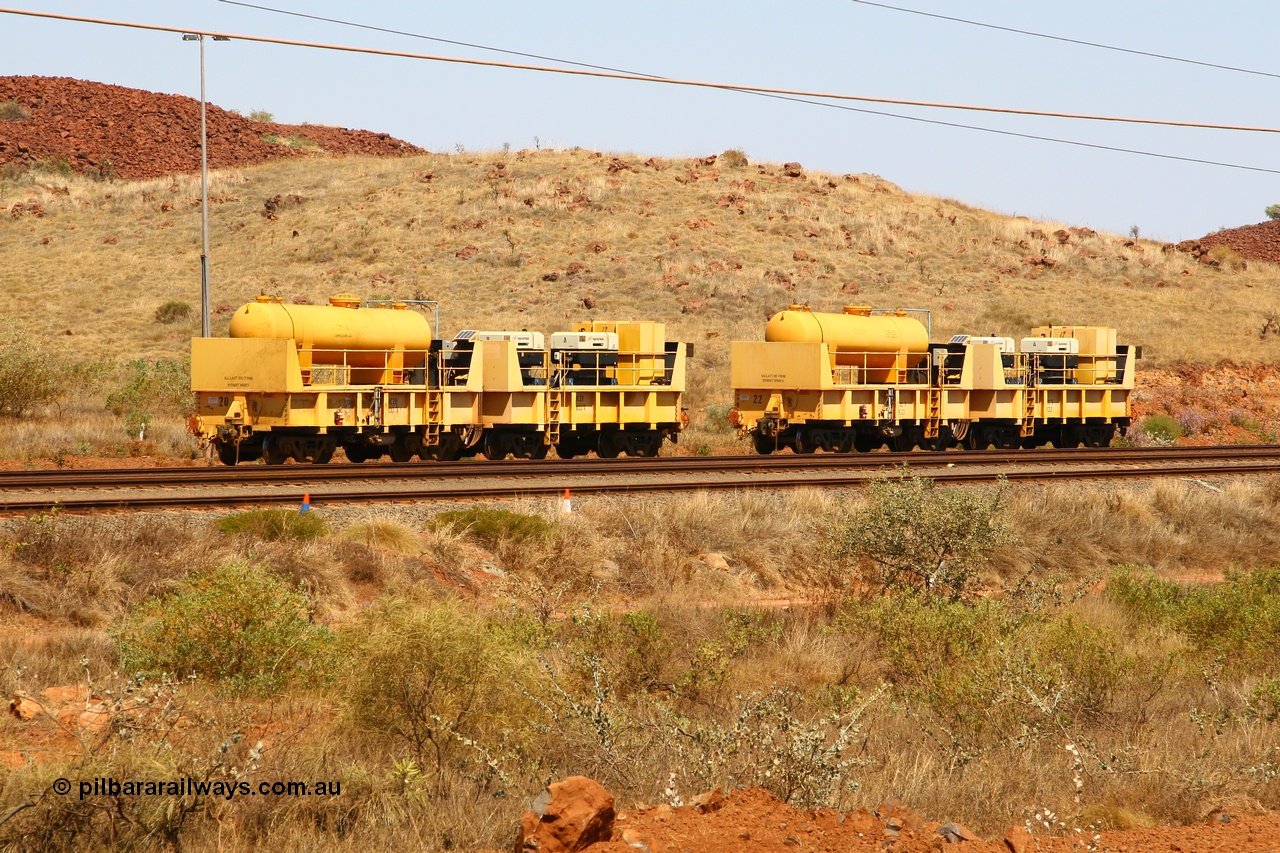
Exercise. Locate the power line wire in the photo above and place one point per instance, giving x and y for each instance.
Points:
(880, 113)
(644, 78)
(1082, 42)
(390, 31)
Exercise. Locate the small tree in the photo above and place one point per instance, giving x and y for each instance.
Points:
(917, 534)
(31, 374)
(439, 684)
(237, 625)
(1273, 211)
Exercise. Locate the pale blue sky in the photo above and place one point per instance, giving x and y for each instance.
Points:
(820, 45)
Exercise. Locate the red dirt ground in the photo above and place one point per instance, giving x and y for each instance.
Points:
(754, 819)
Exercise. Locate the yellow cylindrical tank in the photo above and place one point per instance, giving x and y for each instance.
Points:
(338, 333)
(878, 345)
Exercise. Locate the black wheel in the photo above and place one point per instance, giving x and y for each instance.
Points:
(539, 451)
(650, 446)
(357, 453)
(449, 449)
(568, 449)
(803, 444)
(326, 453)
(609, 446)
(404, 448)
(865, 442)
(904, 443)
(494, 447)
(228, 454)
(764, 444)
(272, 453)
(1007, 438)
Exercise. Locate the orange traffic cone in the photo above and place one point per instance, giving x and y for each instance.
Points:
(306, 504)
(567, 505)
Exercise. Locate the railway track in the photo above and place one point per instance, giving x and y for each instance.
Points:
(117, 489)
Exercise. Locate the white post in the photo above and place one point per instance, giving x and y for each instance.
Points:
(204, 206)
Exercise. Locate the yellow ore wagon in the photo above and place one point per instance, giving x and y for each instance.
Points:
(298, 382)
(870, 377)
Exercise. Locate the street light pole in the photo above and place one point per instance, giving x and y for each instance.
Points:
(204, 191)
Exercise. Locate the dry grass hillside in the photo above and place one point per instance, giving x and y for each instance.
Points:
(524, 237)
(541, 238)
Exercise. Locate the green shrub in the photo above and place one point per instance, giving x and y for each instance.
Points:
(984, 673)
(492, 525)
(275, 525)
(1272, 211)
(152, 387)
(1264, 700)
(1147, 598)
(261, 115)
(734, 158)
(13, 111)
(173, 311)
(918, 535)
(717, 419)
(237, 625)
(1160, 429)
(440, 685)
(31, 374)
(1235, 623)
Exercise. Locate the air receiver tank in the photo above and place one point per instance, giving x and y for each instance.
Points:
(377, 343)
(881, 346)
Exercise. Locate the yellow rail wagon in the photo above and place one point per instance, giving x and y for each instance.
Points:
(870, 377)
(299, 381)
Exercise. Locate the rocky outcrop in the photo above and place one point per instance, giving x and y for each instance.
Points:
(567, 817)
(113, 131)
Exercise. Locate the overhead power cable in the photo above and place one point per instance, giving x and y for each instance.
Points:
(644, 78)
(862, 110)
(1082, 42)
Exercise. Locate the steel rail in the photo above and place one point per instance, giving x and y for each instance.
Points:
(604, 480)
(343, 472)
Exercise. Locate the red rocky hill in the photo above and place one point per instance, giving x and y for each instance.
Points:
(132, 134)
(1259, 242)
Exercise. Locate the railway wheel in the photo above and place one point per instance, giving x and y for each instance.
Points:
(610, 445)
(539, 451)
(904, 443)
(448, 449)
(228, 454)
(272, 452)
(1099, 435)
(645, 445)
(357, 453)
(495, 447)
(404, 448)
(1071, 436)
(865, 442)
(1007, 438)
(940, 442)
(764, 444)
